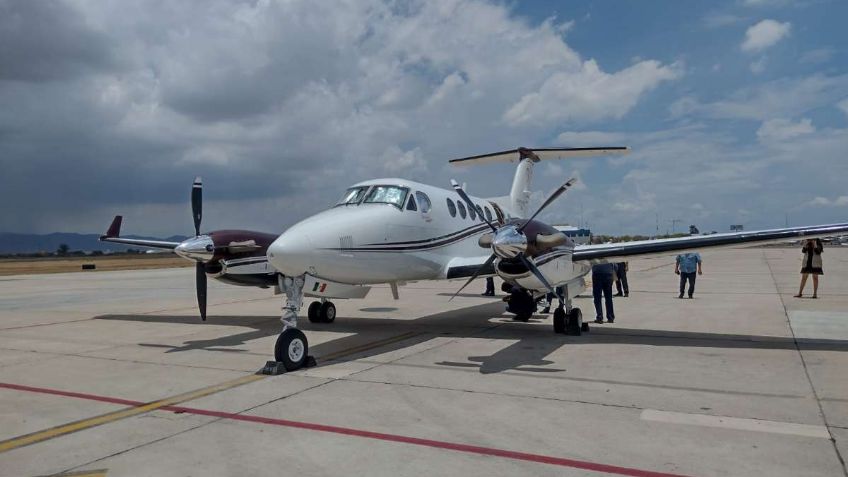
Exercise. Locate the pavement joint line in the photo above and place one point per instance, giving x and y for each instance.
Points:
(526, 374)
(370, 346)
(736, 423)
(136, 409)
(169, 404)
(806, 370)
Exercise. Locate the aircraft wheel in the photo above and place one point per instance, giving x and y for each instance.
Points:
(559, 320)
(575, 322)
(314, 312)
(291, 349)
(327, 312)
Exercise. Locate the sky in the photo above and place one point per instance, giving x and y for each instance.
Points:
(736, 111)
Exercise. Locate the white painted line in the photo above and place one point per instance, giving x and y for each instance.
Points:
(737, 423)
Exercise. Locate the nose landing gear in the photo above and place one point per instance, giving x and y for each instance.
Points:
(291, 352)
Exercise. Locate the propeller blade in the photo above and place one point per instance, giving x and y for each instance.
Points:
(470, 204)
(476, 272)
(197, 203)
(200, 281)
(549, 200)
(532, 268)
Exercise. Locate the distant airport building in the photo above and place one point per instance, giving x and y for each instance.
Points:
(737, 228)
(580, 236)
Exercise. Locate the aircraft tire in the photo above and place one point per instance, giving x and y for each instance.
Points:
(291, 349)
(327, 312)
(559, 321)
(313, 312)
(575, 322)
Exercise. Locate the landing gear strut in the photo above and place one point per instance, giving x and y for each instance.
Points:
(323, 311)
(291, 351)
(568, 320)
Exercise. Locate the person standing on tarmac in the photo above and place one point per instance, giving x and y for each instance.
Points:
(621, 279)
(602, 278)
(686, 266)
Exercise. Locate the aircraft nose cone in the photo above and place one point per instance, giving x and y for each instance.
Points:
(199, 249)
(290, 253)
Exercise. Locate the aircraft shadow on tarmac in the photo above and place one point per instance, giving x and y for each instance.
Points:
(533, 343)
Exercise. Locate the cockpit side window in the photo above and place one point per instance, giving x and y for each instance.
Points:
(472, 213)
(423, 201)
(353, 196)
(461, 208)
(385, 194)
(410, 205)
(488, 213)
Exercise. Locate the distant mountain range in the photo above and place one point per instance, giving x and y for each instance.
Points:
(32, 243)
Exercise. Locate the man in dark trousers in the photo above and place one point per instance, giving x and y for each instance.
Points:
(490, 287)
(602, 278)
(686, 266)
(621, 279)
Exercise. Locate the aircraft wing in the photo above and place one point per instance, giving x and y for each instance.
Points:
(114, 232)
(613, 252)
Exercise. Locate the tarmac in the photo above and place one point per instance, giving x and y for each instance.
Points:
(113, 373)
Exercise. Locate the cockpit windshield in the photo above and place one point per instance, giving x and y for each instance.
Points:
(353, 196)
(386, 194)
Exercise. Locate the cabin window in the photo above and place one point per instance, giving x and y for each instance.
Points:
(411, 204)
(488, 213)
(423, 201)
(353, 196)
(451, 208)
(384, 194)
(472, 213)
(461, 207)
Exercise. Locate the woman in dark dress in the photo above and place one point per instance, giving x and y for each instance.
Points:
(812, 265)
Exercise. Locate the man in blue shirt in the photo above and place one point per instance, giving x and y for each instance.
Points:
(686, 266)
(602, 278)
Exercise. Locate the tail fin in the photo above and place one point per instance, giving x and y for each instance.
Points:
(114, 229)
(519, 195)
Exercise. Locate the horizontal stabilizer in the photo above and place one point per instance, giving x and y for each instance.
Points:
(114, 232)
(536, 155)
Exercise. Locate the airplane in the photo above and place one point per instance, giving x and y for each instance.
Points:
(395, 231)
(236, 257)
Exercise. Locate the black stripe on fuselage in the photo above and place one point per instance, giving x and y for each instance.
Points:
(420, 244)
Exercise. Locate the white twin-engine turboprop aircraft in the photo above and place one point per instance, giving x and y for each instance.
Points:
(394, 231)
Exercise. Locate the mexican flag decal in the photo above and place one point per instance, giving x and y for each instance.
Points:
(319, 287)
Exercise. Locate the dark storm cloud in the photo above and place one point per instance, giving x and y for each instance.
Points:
(111, 106)
(47, 40)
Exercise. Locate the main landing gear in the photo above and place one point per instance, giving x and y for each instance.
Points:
(323, 311)
(567, 319)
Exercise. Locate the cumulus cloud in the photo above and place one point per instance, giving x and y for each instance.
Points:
(785, 97)
(783, 129)
(843, 105)
(764, 35)
(590, 94)
(758, 66)
(108, 105)
(841, 201)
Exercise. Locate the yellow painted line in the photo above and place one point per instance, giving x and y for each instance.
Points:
(76, 426)
(82, 473)
(370, 346)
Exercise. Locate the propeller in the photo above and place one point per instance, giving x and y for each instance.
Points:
(200, 268)
(509, 241)
(197, 203)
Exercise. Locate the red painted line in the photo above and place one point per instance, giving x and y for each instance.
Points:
(56, 392)
(538, 458)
